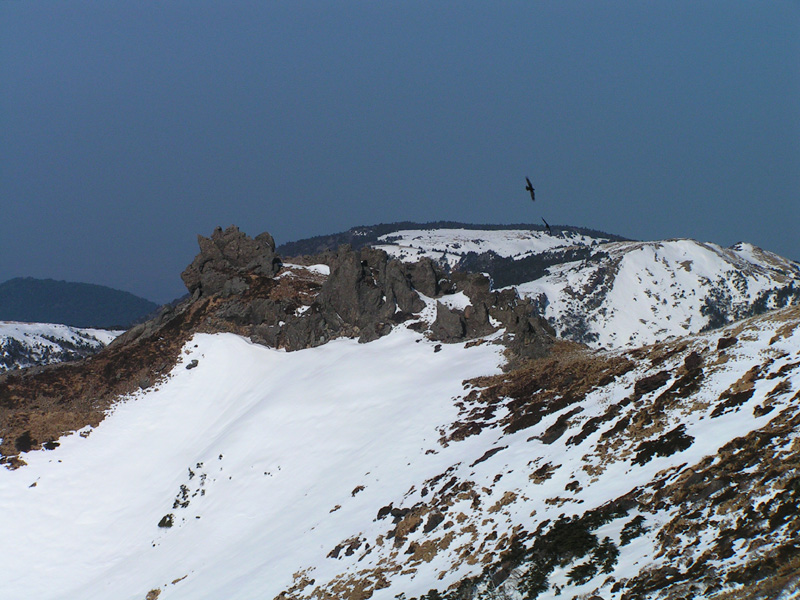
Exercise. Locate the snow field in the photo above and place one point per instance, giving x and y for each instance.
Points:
(656, 290)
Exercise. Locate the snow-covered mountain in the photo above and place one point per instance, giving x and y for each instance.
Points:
(398, 433)
(616, 294)
(635, 293)
(27, 344)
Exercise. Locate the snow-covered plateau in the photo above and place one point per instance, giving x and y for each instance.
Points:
(449, 246)
(370, 428)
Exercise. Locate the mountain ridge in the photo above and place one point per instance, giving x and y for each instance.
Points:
(28, 344)
(363, 235)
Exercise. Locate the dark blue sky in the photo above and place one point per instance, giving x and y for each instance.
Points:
(129, 127)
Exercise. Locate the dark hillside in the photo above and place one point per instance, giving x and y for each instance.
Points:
(68, 303)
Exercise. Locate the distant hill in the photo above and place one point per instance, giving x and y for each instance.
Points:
(77, 304)
(368, 235)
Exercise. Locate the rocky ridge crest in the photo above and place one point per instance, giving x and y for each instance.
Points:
(361, 293)
(240, 285)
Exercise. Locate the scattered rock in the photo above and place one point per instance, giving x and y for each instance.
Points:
(167, 521)
(649, 384)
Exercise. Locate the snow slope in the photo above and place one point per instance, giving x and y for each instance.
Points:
(281, 470)
(390, 468)
(266, 443)
(622, 294)
(26, 344)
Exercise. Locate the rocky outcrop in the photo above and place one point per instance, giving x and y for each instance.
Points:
(527, 335)
(366, 294)
(226, 259)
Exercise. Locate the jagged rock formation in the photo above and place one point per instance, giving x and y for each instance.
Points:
(227, 259)
(364, 296)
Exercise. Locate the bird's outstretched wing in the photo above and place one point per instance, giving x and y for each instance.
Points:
(529, 187)
(548, 227)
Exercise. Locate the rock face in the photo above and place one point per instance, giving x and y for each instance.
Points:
(367, 292)
(226, 259)
(528, 335)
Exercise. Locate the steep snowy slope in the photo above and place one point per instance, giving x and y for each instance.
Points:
(26, 344)
(266, 459)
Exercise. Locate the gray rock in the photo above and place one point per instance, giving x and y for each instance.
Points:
(227, 259)
(449, 325)
(365, 291)
(365, 294)
(425, 277)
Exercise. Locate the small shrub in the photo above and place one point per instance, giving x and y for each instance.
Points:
(671, 442)
(580, 574)
(632, 530)
(25, 442)
(606, 555)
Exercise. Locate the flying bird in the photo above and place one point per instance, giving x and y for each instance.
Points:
(548, 227)
(529, 187)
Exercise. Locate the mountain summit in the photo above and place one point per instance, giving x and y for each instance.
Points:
(351, 425)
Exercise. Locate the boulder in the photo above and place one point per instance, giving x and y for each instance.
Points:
(449, 325)
(425, 276)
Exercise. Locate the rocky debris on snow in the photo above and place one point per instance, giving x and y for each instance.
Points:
(653, 504)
